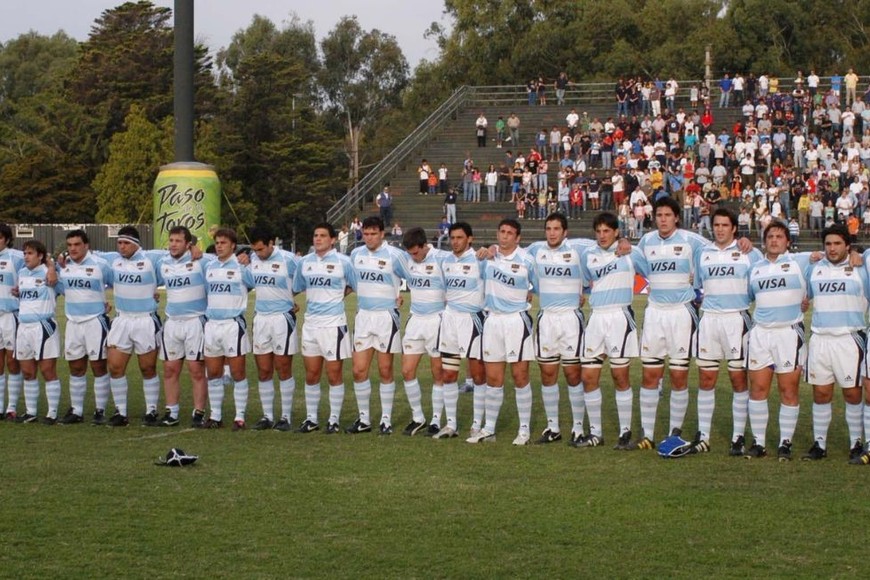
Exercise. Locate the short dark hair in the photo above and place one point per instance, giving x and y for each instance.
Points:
(511, 222)
(188, 237)
(606, 218)
(464, 226)
(725, 212)
(129, 231)
(413, 238)
(81, 234)
(838, 230)
(330, 229)
(227, 233)
(557, 217)
(6, 233)
(259, 234)
(37, 247)
(373, 221)
(668, 202)
(775, 225)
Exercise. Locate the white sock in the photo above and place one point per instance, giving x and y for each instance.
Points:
(240, 397)
(822, 414)
(288, 390)
(624, 403)
(866, 421)
(438, 404)
(78, 387)
(101, 392)
(312, 402)
(706, 406)
(853, 421)
(336, 400)
(173, 410)
(479, 406)
(52, 397)
(494, 399)
(758, 417)
(31, 396)
(649, 402)
(451, 400)
(679, 405)
(119, 393)
(267, 398)
(216, 398)
(152, 393)
(739, 412)
(577, 398)
(415, 397)
(363, 392)
(387, 392)
(2, 391)
(524, 407)
(788, 418)
(593, 411)
(14, 384)
(550, 395)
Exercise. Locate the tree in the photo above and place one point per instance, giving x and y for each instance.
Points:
(362, 78)
(123, 185)
(33, 63)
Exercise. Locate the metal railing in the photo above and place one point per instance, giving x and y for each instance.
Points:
(368, 186)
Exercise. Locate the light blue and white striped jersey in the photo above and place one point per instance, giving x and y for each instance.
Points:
(778, 288)
(184, 279)
(611, 276)
(426, 282)
(135, 280)
(379, 275)
(840, 296)
(560, 279)
(509, 279)
(37, 300)
(11, 262)
(723, 275)
(273, 281)
(227, 285)
(463, 280)
(324, 279)
(670, 264)
(84, 287)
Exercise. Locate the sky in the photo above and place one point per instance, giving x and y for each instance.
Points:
(215, 21)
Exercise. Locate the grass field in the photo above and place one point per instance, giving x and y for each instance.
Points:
(82, 501)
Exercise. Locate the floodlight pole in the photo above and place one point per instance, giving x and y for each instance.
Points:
(183, 77)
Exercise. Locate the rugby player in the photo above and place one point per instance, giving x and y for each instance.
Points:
(37, 344)
(379, 268)
(461, 331)
(426, 284)
(275, 339)
(326, 276)
(722, 274)
(84, 278)
(507, 332)
(225, 340)
(839, 293)
(182, 336)
(776, 341)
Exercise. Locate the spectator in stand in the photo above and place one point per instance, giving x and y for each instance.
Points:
(480, 130)
(442, 178)
(737, 85)
(725, 87)
(443, 231)
(343, 236)
(513, 124)
(450, 205)
(476, 179)
(555, 143)
(794, 232)
(836, 85)
(500, 126)
(851, 81)
(532, 92)
(384, 202)
(671, 88)
(423, 172)
(576, 199)
(541, 88)
(356, 229)
(396, 232)
(561, 86)
(491, 182)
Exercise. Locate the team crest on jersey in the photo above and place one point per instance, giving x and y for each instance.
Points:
(140, 265)
(39, 281)
(89, 271)
(3, 264)
(429, 268)
(329, 268)
(678, 250)
(275, 267)
(466, 269)
(566, 257)
(785, 267)
(189, 265)
(231, 273)
(848, 270)
(382, 264)
(735, 256)
(515, 267)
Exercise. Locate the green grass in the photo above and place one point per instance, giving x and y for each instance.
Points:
(85, 501)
